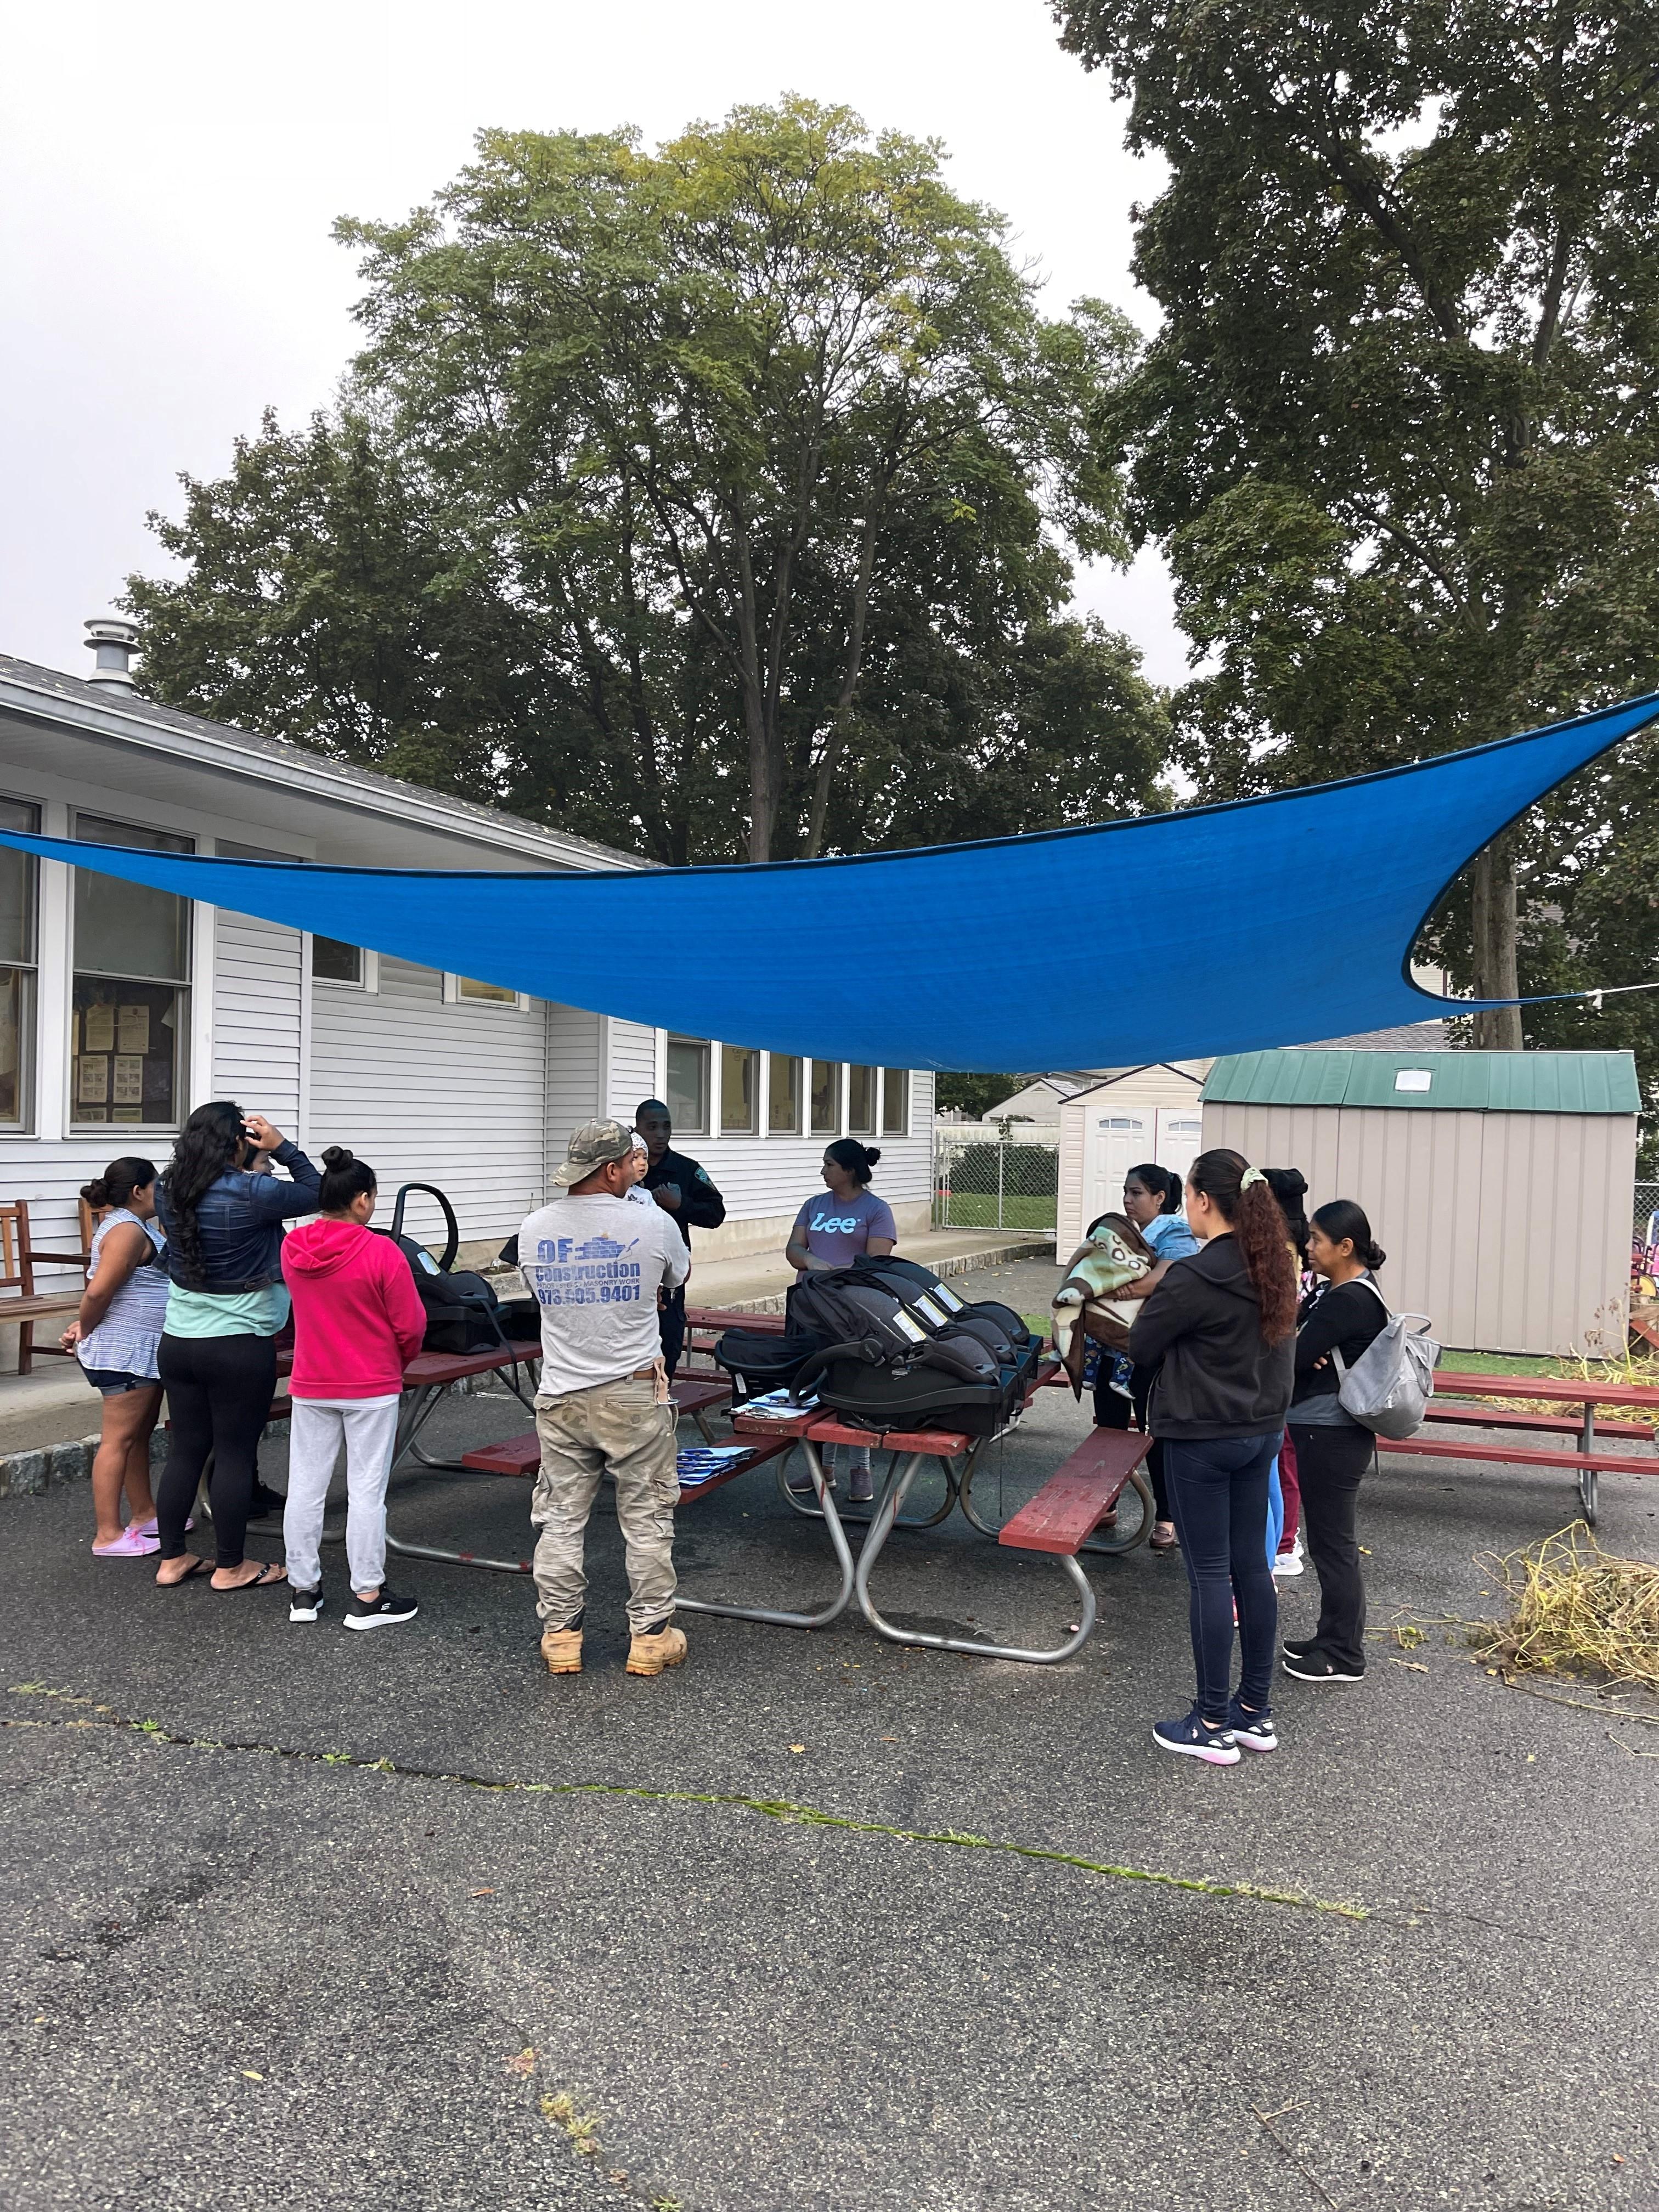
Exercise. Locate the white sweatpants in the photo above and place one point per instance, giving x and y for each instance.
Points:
(368, 1427)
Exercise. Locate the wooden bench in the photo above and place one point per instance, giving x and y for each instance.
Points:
(1077, 1497)
(523, 1455)
(1473, 1415)
(1587, 1465)
(19, 1256)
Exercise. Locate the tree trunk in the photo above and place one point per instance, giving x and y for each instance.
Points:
(1497, 973)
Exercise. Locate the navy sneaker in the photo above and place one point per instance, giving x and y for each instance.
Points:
(1251, 1731)
(1193, 1740)
(1314, 1665)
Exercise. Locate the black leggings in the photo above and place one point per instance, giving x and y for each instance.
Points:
(1112, 1411)
(219, 1392)
(1329, 1466)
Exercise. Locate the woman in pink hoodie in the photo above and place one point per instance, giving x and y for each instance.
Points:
(358, 1321)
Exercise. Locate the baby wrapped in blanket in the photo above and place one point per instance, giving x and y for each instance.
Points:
(1114, 1253)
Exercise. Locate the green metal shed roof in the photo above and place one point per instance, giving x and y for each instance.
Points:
(1457, 1082)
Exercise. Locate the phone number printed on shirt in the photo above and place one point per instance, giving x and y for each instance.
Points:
(594, 1272)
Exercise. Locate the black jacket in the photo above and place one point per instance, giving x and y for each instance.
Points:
(1342, 1317)
(701, 1206)
(1201, 1328)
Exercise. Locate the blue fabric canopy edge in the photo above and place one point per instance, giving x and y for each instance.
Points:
(1265, 921)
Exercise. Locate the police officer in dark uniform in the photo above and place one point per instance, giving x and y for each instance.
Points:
(683, 1191)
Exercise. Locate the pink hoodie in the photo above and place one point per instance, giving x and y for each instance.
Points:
(358, 1320)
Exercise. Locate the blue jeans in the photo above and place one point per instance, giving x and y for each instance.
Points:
(1219, 1493)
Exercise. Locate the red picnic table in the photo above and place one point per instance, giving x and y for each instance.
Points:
(1561, 1390)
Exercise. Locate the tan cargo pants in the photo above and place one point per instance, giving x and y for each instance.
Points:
(618, 1428)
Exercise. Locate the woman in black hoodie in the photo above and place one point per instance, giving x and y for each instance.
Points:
(1343, 1316)
(1220, 1330)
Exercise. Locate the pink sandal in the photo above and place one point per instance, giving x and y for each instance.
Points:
(132, 1543)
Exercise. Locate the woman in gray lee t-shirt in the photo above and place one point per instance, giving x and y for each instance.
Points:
(831, 1230)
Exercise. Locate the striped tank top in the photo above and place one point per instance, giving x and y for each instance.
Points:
(125, 1342)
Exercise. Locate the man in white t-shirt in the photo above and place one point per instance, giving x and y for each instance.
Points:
(596, 1265)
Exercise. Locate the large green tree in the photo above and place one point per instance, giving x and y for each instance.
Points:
(720, 498)
(1400, 427)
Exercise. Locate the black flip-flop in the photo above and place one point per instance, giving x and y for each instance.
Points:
(197, 1565)
(269, 1577)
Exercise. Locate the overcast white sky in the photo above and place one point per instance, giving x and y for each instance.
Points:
(169, 176)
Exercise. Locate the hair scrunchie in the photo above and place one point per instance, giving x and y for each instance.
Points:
(1251, 1175)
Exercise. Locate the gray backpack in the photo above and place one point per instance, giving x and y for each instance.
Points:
(1389, 1385)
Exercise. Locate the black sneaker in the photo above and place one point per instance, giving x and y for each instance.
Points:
(1318, 1666)
(1299, 1647)
(304, 1605)
(380, 1612)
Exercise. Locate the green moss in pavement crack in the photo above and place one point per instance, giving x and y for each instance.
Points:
(776, 1809)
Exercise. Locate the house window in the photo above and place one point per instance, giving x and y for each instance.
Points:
(861, 1100)
(739, 1090)
(826, 1098)
(783, 1096)
(468, 987)
(129, 999)
(18, 877)
(685, 1084)
(331, 962)
(895, 1102)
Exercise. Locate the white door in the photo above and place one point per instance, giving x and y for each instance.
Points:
(1118, 1143)
(1179, 1139)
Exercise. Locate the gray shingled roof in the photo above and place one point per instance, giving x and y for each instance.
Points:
(109, 703)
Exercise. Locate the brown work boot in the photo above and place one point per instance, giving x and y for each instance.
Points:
(562, 1647)
(649, 1655)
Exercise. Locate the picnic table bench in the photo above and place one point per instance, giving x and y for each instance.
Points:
(1585, 1461)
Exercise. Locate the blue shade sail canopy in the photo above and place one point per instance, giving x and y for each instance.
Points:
(1270, 922)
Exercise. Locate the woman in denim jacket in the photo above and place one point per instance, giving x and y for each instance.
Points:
(226, 1304)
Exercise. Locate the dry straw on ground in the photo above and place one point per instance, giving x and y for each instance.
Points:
(1577, 1610)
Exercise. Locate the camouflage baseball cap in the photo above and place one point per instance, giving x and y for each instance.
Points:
(592, 1146)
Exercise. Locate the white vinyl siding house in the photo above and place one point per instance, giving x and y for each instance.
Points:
(427, 1081)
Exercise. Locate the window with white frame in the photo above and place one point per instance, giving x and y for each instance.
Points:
(783, 1089)
(335, 962)
(896, 1102)
(19, 882)
(685, 1084)
(861, 1084)
(739, 1090)
(825, 1096)
(130, 994)
(469, 989)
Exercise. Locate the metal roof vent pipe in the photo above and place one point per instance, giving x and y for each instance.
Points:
(114, 642)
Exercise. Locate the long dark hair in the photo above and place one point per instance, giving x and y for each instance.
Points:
(345, 1177)
(858, 1159)
(1151, 1177)
(209, 1145)
(118, 1183)
(1343, 1219)
(1253, 1214)
(1290, 1187)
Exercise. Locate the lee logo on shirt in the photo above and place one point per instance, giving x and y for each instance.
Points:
(835, 1224)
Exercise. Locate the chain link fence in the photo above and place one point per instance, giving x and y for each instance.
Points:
(982, 1182)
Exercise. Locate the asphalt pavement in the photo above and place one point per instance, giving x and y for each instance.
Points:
(302, 1918)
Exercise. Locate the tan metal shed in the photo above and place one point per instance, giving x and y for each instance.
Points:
(1500, 1183)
